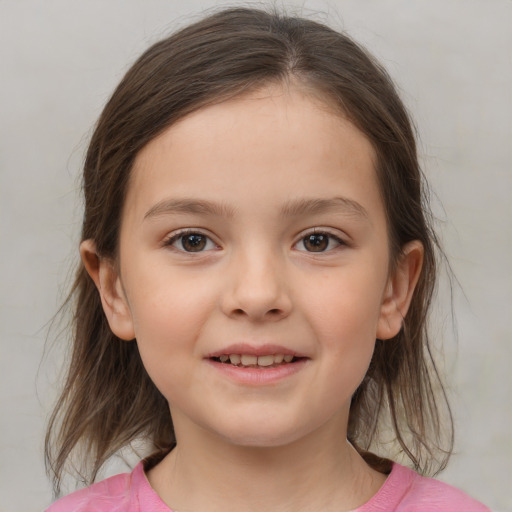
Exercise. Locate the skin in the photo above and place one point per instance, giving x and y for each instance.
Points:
(280, 445)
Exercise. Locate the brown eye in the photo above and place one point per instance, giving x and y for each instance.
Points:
(193, 242)
(319, 242)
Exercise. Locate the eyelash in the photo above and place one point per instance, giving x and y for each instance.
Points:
(172, 240)
(330, 238)
(169, 242)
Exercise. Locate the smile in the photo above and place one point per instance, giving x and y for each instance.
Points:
(256, 365)
(253, 361)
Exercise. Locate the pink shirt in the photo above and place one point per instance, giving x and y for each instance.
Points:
(403, 491)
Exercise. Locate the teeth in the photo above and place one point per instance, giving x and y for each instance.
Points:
(235, 359)
(247, 360)
(265, 360)
(251, 360)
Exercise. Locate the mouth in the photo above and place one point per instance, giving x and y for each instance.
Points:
(261, 362)
(257, 365)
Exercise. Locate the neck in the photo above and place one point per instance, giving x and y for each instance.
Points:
(320, 472)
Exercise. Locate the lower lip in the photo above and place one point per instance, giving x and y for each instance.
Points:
(258, 376)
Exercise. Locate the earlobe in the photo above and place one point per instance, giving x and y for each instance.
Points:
(400, 290)
(106, 278)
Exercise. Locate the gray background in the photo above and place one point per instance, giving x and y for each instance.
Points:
(60, 59)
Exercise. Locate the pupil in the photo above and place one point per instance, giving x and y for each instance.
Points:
(193, 243)
(316, 242)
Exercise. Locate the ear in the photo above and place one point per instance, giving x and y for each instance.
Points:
(399, 290)
(108, 283)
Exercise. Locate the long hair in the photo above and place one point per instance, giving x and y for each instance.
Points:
(108, 400)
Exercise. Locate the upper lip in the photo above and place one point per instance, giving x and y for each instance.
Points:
(255, 350)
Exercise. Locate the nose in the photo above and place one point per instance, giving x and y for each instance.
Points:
(257, 288)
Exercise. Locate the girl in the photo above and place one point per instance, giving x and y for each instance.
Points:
(257, 266)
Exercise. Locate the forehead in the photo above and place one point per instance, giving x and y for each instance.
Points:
(280, 142)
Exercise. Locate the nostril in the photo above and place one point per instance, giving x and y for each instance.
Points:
(271, 313)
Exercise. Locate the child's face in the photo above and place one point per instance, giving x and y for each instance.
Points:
(283, 251)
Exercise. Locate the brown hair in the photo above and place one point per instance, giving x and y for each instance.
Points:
(108, 399)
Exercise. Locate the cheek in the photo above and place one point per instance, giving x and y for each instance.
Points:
(346, 306)
(164, 301)
(166, 331)
(343, 315)
(168, 314)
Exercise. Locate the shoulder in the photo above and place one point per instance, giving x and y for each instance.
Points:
(115, 494)
(422, 494)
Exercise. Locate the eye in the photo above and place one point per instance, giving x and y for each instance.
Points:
(191, 241)
(319, 241)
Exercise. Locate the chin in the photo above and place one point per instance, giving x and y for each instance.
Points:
(261, 434)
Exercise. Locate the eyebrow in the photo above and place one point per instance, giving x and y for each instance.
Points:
(306, 206)
(293, 208)
(194, 206)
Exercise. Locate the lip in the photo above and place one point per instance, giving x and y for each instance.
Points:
(249, 376)
(255, 350)
(257, 376)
